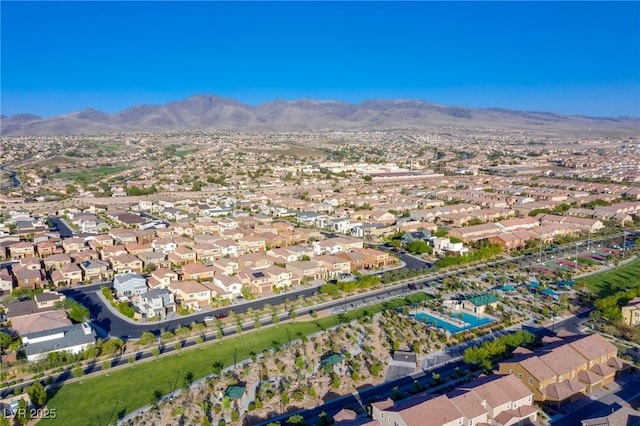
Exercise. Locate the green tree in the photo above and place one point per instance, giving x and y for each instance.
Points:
(155, 352)
(226, 402)
(78, 372)
(75, 311)
(23, 415)
(112, 346)
(37, 393)
(296, 420)
(146, 338)
(419, 247)
(245, 291)
(335, 381)
(5, 340)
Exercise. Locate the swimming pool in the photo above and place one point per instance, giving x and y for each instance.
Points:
(471, 321)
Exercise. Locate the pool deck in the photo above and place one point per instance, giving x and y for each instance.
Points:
(451, 320)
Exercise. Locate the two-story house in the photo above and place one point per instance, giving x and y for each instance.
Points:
(162, 277)
(69, 274)
(96, 270)
(190, 294)
(128, 285)
(21, 250)
(198, 272)
(157, 302)
(567, 368)
(126, 263)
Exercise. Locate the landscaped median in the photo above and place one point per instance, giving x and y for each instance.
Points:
(104, 399)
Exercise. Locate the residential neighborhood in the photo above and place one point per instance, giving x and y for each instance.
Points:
(471, 243)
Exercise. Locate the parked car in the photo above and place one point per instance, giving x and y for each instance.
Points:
(220, 316)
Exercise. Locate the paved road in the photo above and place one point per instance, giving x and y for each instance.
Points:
(114, 325)
(63, 228)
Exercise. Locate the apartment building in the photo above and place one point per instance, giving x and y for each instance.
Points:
(631, 312)
(495, 400)
(561, 371)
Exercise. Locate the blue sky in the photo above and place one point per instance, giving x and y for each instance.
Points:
(571, 57)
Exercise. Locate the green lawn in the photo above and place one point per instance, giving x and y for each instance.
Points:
(183, 153)
(125, 390)
(609, 282)
(110, 148)
(91, 175)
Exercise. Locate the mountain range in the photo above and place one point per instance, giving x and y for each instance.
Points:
(218, 113)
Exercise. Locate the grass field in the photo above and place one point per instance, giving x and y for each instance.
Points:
(183, 153)
(110, 148)
(622, 278)
(90, 175)
(125, 390)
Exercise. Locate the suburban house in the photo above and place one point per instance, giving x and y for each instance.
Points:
(182, 256)
(251, 243)
(47, 248)
(56, 261)
(335, 265)
(96, 270)
(190, 294)
(69, 274)
(228, 283)
(154, 259)
(156, 302)
(357, 260)
(28, 278)
(311, 269)
(560, 371)
(198, 272)
(126, 263)
(112, 251)
(73, 245)
(162, 277)
(21, 250)
(206, 252)
(491, 400)
(257, 280)
(631, 312)
(6, 281)
(164, 245)
(376, 258)
(72, 338)
(127, 285)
